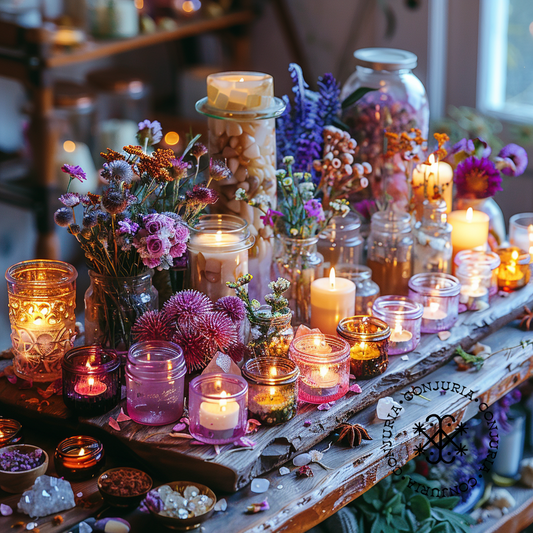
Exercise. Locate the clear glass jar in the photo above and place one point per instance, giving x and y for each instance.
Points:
(368, 338)
(218, 408)
(242, 110)
(433, 240)
(113, 304)
(299, 262)
(324, 363)
(270, 336)
(404, 317)
(110, 19)
(91, 380)
(390, 249)
(481, 259)
(79, 457)
(521, 231)
(341, 242)
(398, 104)
(42, 301)
(476, 281)
(218, 252)
(272, 389)
(155, 382)
(514, 271)
(439, 295)
(366, 291)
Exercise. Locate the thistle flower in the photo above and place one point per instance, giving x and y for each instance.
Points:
(218, 330)
(237, 351)
(75, 172)
(114, 201)
(187, 305)
(103, 217)
(198, 150)
(118, 171)
(63, 217)
(201, 195)
(70, 199)
(90, 220)
(218, 170)
(232, 307)
(74, 229)
(180, 168)
(314, 209)
(195, 348)
(153, 326)
(149, 133)
(512, 160)
(477, 178)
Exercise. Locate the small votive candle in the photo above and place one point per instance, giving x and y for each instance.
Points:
(91, 380)
(521, 231)
(10, 432)
(78, 458)
(218, 408)
(324, 363)
(477, 258)
(368, 337)
(475, 285)
(439, 295)
(272, 389)
(404, 317)
(513, 272)
(470, 229)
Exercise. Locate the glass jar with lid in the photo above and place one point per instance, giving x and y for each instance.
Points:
(341, 242)
(390, 248)
(398, 103)
(433, 240)
(366, 290)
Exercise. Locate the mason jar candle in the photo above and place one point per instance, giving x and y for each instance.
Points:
(91, 380)
(404, 318)
(78, 458)
(475, 285)
(439, 295)
(324, 363)
(477, 258)
(521, 231)
(368, 338)
(366, 290)
(514, 271)
(218, 408)
(10, 432)
(155, 382)
(41, 300)
(218, 252)
(272, 389)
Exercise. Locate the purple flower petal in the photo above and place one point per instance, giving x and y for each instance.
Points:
(514, 158)
(355, 388)
(326, 406)
(477, 178)
(198, 443)
(244, 442)
(307, 423)
(5, 510)
(179, 427)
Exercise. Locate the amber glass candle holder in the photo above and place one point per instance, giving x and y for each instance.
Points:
(272, 389)
(10, 432)
(368, 338)
(78, 458)
(324, 363)
(42, 300)
(514, 271)
(91, 380)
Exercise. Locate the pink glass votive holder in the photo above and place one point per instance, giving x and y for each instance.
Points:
(480, 259)
(155, 382)
(324, 363)
(404, 318)
(439, 295)
(218, 408)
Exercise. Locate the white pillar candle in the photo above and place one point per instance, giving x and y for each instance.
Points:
(436, 175)
(332, 299)
(237, 91)
(470, 229)
(219, 415)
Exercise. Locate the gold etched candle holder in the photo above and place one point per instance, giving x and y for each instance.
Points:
(513, 272)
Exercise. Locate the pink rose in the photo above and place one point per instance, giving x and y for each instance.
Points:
(155, 246)
(178, 249)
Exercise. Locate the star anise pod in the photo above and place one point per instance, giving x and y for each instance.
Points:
(526, 319)
(352, 434)
(305, 471)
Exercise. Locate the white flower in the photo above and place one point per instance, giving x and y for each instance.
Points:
(280, 174)
(294, 231)
(367, 167)
(240, 194)
(316, 456)
(287, 182)
(364, 182)
(288, 160)
(306, 186)
(344, 210)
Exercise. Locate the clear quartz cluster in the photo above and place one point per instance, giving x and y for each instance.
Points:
(47, 496)
(184, 504)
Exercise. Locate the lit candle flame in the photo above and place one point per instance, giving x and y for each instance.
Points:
(218, 236)
(469, 214)
(323, 370)
(273, 371)
(241, 80)
(332, 279)
(223, 402)
(272, 391)
(398, 329)
(444, 218)
(81, 452)
(514, 255)
(91, 382)
(433, 306)
(431, 159)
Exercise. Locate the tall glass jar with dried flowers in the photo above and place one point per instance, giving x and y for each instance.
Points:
(138, 223)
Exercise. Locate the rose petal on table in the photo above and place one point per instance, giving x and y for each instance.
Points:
(221, 505)
(355, 388)
(217, 449)
(179, 427)
(444, 335)
(326, 406)
(198, 443)
(184, 420)
(244, 442)
(11, 378)
(307, 423)
(258, 507)
(180, 435)
(122, 416)
(252, 425)
(114, 424)
(5, 510)
(352, 376)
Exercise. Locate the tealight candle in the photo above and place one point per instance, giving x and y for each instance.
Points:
(470, 229)
(78, 458)
(475, 284)
(514, 271)
(331, 299)
(217, 408)
(479, 259)
(10, 432)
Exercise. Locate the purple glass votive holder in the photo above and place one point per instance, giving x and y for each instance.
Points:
(155, 382)
(480, 259)
(439, 295)
(218, 411)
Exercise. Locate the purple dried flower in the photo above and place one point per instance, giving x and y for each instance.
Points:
(258, 507)
(74, 171)
(218, 170)
(187, 305)
(202, 195)
(149, 133)
(307, 423)
(114, 201)
(512, 160)
(18, 461)
(268, 219)
(180, 168)
(313, 208)
(152, 326)
(217, 329)
(477, 178)
(90, 220)
(127, 227)
(198, 150)
(236, 351)
(63, 216)
(232, 306)
(195, 349)
(70, 199)
(152, 502)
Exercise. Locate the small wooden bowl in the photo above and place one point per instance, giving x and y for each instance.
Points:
(186, 524)
(17, 482)
(123, 501)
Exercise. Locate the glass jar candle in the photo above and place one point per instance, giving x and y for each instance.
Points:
(514, 271)
(470, 229)
(272, 389)
(390, 247)
(368, 337)
(218, 252)
(91, 380)
(404, 317)
(242, 110)
(10, 432)
(324, 363)
(366, 290)
(481, 259)
(41, 300)
(521, 231)
(155, 382)
(218, 408)
(439, 295)
(475, 282)
(341, 242)
(78, 458)
(432, 240)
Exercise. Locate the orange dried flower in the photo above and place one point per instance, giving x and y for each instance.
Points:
(111, 155)
(94, 198)
(133, 150)
(57, 520)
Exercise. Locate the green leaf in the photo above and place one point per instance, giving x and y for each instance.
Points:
(355, 96)
(445, 503)
(378, 526)
(402, 484)
(338, 123)
(443, 527)
(370, 495)
(401, 524)
(191, 144)
(378, 505)
(420, 506)
(431, 483)
(393, 501)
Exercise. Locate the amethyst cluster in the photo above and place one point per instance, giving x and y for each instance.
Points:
(17, 461)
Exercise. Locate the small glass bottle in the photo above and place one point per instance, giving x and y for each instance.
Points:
(390, 248)
(366, 290)
(433, 240)
(341, 242)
